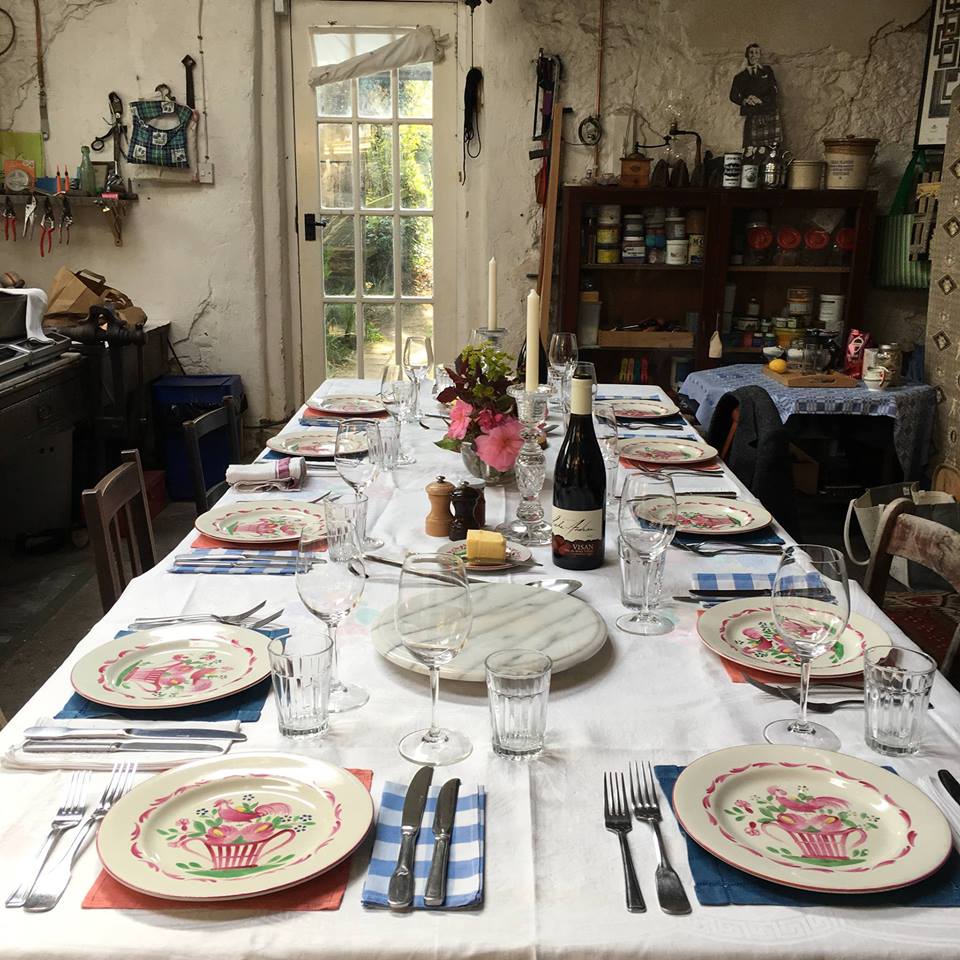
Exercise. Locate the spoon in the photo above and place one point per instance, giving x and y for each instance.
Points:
(557, 586)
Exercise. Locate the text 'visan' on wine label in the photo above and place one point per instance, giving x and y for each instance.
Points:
(577, 531)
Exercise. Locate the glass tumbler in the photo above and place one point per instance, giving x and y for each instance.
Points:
(639, 575)
(301, 669)
(896, 692)
(518, 682)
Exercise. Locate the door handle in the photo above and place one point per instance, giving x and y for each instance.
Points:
(310, 224)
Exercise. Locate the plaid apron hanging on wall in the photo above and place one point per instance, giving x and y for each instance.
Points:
(153, 145)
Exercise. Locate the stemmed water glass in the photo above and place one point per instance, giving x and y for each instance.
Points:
(417, 360)
(433, 618)
(358, 456)
(396, 394)
(648, 522)
(562, 352)
(608, 436)
(811, 608)
(331, 590)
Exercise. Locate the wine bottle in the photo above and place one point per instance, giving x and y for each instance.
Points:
(579, 487)
(522, 362)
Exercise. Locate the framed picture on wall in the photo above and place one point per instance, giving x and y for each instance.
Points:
(941, 73)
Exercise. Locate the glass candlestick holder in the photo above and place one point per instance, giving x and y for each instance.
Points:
(529, 526)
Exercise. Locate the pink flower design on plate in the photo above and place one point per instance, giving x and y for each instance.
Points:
(744, 806)
(703, 521)
(460, 414)
(752, 830)
(500, 446)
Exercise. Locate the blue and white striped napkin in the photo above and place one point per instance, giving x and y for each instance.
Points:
(465, 873)
(752, 581)
(229, 554)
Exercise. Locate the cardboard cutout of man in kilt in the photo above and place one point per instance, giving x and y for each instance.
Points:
(755, 91)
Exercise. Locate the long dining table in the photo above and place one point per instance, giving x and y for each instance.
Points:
(553, 884)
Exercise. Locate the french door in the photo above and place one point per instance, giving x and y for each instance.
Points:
(376, 167)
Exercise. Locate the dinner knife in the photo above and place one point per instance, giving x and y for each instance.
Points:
(400, 889)
(130, 733)
(950, 784)
(436, 891)
(122, 746)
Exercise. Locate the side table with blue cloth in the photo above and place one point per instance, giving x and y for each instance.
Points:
(911, 407)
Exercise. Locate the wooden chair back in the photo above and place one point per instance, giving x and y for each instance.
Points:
(728, 442)
(935, 546)
(119, 497)
(946, 479)
(204, 495)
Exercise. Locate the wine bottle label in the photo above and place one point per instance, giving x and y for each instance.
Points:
(577, 532)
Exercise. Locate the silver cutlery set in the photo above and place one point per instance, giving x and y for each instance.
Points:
(155, 739)
(642, 804)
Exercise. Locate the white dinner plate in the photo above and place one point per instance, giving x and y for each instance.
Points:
(347, 405)
(237, 826)
(318, 444)
(173, 666)
(508, 616)
(673, 452)
(811, 819)
(744, 632)
(642, 409)
(516, 554)
(719, 516)
(262, 521)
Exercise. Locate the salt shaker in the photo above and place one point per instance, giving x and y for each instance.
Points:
(464, 503)
(439, 518)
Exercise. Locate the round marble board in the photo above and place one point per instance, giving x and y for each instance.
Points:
(506, 616)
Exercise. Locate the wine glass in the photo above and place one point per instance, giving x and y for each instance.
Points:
(562, 352)
(433, 617)
(358, 457)
(331, 590)
(605, 426)
(417, 359)
(811, 608)
(648, 522)
(396, 394)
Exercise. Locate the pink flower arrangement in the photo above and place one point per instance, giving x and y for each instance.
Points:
(499, 447)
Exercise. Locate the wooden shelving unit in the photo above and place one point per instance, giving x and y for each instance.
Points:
(739, 268)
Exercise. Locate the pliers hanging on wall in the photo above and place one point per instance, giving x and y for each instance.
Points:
(29, 217)
(66, 221)
(9, 221)
(46, 227)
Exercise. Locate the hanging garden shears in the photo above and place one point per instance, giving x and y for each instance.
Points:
(9, 221)
(66, 221)
(46, 227)
(29, 217)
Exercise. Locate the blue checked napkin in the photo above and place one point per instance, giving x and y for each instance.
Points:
(718, 885)
(245, 706)
(465, 873)
(228, 553)
(751, 581)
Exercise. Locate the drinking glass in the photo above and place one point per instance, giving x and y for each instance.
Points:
(648, 522)
(561, 353)
(441, 379)
(389, 444)
(331, 590)
(300, 670)
(811, 607)
(518, 682)
(358, 456)
(639, 578)
(417, 360)
(580, 369)
(397, 395)
(896, 691)
(605, 427)
(433, 618)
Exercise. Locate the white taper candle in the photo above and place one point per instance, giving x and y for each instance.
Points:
(533, 341)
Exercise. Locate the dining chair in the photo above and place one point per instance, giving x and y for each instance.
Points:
(224, 417)
(932, 545)
(116, 510)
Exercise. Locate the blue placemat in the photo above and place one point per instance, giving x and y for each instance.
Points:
(717, 884)
(245, 705)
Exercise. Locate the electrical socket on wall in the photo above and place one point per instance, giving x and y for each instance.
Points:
(205, 171)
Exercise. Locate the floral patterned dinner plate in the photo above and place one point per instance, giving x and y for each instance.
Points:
(315, 444)
(654, 450)
(233, 827)
(744, 632)
(643, 409)
(348, 406)
(811, 819)
(261, 521)
(719, 516)
(516, 554)
(172, 666)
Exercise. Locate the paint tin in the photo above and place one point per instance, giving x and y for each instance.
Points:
(607, 235)
(608, 214)
(608, 253)
(676, 228)
(676, 252)
(804, 174)
(695, 248)
(732, 168)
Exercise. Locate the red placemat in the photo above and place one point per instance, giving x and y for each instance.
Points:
(315, 412)
(321, 893)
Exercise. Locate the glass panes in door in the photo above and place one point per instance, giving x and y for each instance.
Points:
(376, 160)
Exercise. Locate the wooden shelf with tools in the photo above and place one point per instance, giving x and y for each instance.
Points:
(113, 204)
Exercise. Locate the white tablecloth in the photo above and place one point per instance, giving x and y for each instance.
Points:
(554, 885)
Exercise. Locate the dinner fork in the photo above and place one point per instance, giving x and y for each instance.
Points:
(232, 619)
(708, 550)
(646, 807)
(66, 818)
(52, 883)
(793, 694)
(616, 818)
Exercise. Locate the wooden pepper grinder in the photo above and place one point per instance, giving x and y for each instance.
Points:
(464, 503)
(439, 518)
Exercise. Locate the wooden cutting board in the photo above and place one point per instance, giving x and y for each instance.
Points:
(827, 379)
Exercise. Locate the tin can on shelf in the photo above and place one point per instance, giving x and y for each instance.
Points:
(676, 252)
(607, 235)
(676, 228)
(749, 174)
(732, 168)
(695, 249)
(696, 221)
(608, 253)
(608, 214)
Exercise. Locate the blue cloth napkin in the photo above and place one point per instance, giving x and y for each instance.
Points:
(306, 421)
(751, 581)
(228, 553)
(245, 705)
(465, 872)
(755, 537)
(717, 884)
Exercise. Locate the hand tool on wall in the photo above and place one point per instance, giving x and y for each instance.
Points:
(549, 73)
(46, 227)
(8, 31)
(66, 221)
(118, 129)
(9, 221)
(41, 82)
(29, 217)
(590, 131)
(188, 64)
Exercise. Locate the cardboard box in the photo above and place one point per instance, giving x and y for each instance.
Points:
(651, 339)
